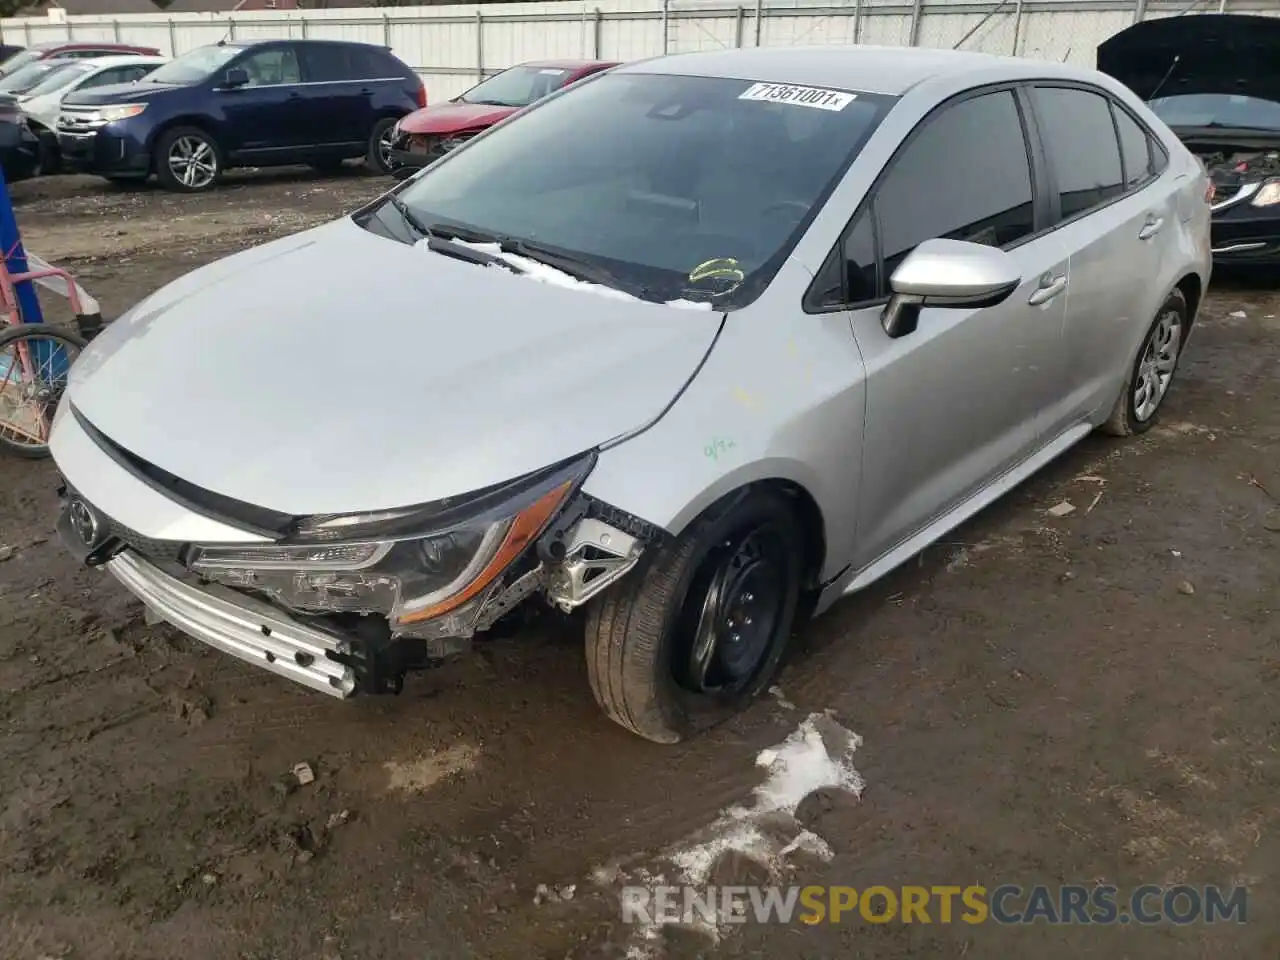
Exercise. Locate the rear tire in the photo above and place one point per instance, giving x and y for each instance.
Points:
(188, 160)
(1151, 374)
(732, 580)
(377, 156)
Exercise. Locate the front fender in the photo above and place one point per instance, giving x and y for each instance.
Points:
(781, 397)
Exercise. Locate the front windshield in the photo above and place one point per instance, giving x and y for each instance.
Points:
(20, 81)
(18, 61)
(517, 87)
(194, 66)
(1217, 110)
(59, 79)
(670, 183)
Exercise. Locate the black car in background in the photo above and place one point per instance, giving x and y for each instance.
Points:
(19, 146)
(226, 105)
(1215, 80)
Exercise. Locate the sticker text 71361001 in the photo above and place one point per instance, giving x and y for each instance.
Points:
(798, 96)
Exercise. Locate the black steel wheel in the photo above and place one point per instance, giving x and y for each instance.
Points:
(700, 629)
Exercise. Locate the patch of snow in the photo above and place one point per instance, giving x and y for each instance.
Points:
(542, 273)
(817, 755)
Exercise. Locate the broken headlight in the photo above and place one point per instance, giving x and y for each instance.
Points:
(1267, 195)
(410, 565)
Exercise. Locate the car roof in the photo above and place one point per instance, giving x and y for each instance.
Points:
(885, 70)
(122, 59)
(82, 45)
(566, 64)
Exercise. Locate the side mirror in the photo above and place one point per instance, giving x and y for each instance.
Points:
(947, 273)
(236, 77)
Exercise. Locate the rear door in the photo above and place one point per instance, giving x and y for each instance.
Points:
(263, 119)
(336, 106)
(1111, 215)
(954, 404)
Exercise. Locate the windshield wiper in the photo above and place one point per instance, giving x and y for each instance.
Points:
(409, 217)
(576, 267)
(449, 247)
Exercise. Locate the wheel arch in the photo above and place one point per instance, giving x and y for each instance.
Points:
(787, 477)
(1192, 287)
(199, 121)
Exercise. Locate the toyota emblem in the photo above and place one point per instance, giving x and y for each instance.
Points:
(84, 522)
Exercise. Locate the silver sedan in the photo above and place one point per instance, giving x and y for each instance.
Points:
(703, 344)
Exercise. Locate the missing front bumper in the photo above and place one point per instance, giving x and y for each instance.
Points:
(240, 626)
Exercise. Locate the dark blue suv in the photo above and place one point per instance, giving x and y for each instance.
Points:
(242, 104)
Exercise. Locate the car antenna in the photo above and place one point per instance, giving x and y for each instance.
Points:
(1168, 73)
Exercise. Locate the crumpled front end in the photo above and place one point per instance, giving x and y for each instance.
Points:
(343, 604)
(413, 151)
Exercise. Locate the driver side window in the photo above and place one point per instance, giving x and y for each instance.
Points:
(273, 67)
(964, 175)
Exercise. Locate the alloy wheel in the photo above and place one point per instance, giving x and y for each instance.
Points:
(1156, 367)
(385, 142)
(193, 162)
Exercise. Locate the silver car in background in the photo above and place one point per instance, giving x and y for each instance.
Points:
(703, 343)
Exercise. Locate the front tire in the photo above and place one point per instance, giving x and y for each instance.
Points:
(1137, 409)
(696, 632)
(188, 160)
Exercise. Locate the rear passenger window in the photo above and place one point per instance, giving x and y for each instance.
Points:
(1081, 141)
(368, 65)
(1135, 150)
(325, 63)
(965, 176)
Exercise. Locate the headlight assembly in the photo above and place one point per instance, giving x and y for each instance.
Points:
(411, 565)
(122, 112)
(1268, 194)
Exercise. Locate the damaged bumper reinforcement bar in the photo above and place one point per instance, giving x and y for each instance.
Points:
(240, 625)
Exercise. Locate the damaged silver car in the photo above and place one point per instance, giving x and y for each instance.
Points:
(701, 345)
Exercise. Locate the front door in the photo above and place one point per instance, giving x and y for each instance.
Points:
(954, 404)
(264, 119)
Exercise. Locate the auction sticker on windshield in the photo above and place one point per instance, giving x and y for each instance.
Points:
(800, 96)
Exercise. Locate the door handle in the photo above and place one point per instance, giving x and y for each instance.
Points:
(295, 95)
(366, 92)
(1150, 228)
(1050, 287)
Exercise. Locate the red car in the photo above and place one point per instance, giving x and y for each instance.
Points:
(62, 49)
(428, 134)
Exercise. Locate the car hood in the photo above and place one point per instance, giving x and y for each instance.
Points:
(132, 92)
(405, 378)
(1208, 53)
(451, 117)
(43, 110)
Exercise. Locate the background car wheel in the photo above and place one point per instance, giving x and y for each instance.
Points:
(187, 159)
(700, 628)
(1151, 375)
(378, 156)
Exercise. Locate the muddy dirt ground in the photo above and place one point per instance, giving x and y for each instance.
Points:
(1088, 698)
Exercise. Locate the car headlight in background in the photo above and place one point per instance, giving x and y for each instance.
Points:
(121, 112)
(1268, 194)
(410, 565)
